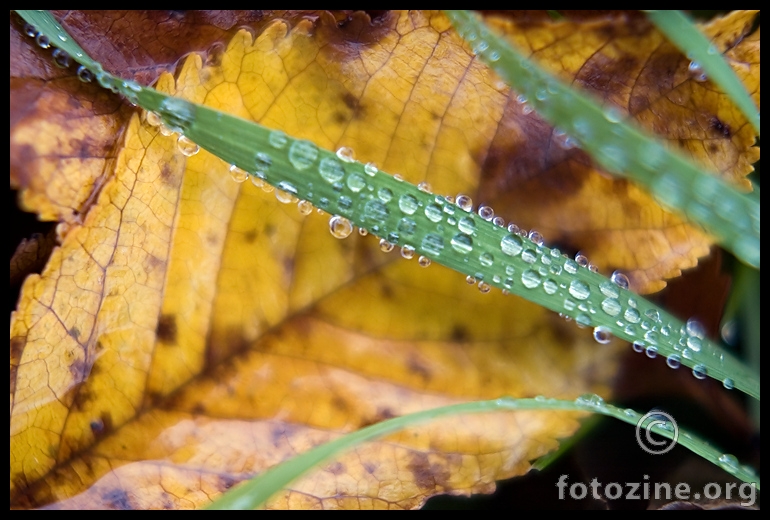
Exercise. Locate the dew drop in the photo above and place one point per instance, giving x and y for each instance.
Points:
(385, 246)
(592, 400)
(424, 187)
(340, 227)
(484, 287)
(30, 30)
(305, 208)
(728, 383)
(86, 76)
(579, 290)
(613, 115)
(384, 194)
(238, 174)
(695, 329)
(550, 286)
(499, 221)
(728, 461)
(526, 109)
(407, 226)
(375, 211)
(186, 146)
(267, 188)
(555, 269)
(462, 243)
(581, 259)
(302, 155)
(695, 69)
(638, 346)
(530, 279)
(464, 202)
(674, 361)
(284, 196)
(486, 259)
(583, 320)
(179, 114)
(433, 244)
(470, 280)
(345, 204)
(529, 256)
(602, 335)
(331, 169)
(609, 289)
(407, 252)
(164, 130)
(346, 154)
(424, 261)
(356, 182)
(513, 229)
(398, 177)
(570, 266)
(61, 58)
(593, 268)
(536, 237)
(408, 204)
(569, 305)
(42, 41)
(486, 212)
(370, 169)
(277, 139)
(694, 343)
(620, 279)
(632, 315)
(651, 351)
(466, 225)
(700, 371)
(434, 213)
(611, 306)
(511, 245)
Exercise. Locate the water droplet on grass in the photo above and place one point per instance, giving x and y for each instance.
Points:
(238, 174)
(620, 279)
(602, 335)
(700, 371)
(302, 155)
(464, 202)
(340, 227)
(462, 243)
(579, 290)
(346, 154)
(408, 204)
(277, 139)
(511, 245)
(331, 169)
(424, 261)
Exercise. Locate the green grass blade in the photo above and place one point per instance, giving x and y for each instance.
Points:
(444, 232)
(258, 490)
(684, 34)
(731, 216)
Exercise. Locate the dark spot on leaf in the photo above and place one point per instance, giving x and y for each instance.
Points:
(420, 467)
(719, 127)
(270, 230)
(226, 482)
(250, 236)
(339, 403)
(199, 409)
(74, 332)
(102, 424)
(166, 329)
(416, 366)
(79, 369)
(117, 499)
(386, 290)
(336, 468)
(81, 398)
(370, 467)
(459, 334)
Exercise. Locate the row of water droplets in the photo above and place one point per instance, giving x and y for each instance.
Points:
(702, 197)
(62, 59)
(539, 268)
(595, 403)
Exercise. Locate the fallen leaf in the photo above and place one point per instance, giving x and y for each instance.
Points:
(193, 332)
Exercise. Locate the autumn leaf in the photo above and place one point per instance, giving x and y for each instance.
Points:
(191, 331)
